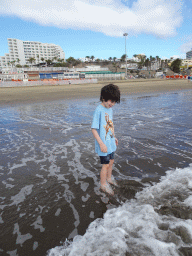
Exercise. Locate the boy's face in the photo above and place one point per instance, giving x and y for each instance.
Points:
(108, 104)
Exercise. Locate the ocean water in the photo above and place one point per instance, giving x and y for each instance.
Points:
(50, 200)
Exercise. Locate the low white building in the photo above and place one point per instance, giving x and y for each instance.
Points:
(159, 74)
(187, 62)
(13, 74)
(93, 68)
(85, 59)
(130, 66)
(89, 68)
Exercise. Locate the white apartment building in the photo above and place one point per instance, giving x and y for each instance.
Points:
(21, 51)
(189, 54)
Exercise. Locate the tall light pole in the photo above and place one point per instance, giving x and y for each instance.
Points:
(125, 35)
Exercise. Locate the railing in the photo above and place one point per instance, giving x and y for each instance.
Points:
(9, 70)
(50, 82)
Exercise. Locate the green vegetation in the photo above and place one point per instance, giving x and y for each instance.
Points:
(48, 61)
(31, 60)
(175, 65)
(73, 62)
(142, 61)
(63, 64)
(123, 57)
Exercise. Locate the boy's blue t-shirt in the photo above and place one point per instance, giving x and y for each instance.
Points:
(103, 123)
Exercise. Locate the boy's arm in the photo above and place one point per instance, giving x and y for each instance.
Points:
(116, 140)
(103, 147)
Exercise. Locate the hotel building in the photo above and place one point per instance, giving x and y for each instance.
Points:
(189, 55)
(21, 51)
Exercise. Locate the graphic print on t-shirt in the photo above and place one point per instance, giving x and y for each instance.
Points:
(108, 126)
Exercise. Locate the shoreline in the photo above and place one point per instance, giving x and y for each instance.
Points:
(35, 94)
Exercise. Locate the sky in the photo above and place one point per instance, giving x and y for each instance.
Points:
(85, 27)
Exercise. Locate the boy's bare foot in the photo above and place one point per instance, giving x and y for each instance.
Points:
(107, 189)
(112, 181)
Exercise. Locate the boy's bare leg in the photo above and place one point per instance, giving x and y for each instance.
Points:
(103, 174)
(109, 171)
(103, 177)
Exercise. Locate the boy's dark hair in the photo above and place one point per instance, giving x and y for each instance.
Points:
(110, 92)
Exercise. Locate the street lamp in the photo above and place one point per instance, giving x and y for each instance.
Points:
(125, 35)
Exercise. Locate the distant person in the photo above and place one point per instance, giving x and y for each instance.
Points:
(103, 131)
(189, 77)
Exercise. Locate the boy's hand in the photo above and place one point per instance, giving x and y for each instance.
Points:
(103, 148)
(116, 141)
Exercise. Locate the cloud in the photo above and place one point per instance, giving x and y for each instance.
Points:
(160, 18)
(187, 46)
(181, 56)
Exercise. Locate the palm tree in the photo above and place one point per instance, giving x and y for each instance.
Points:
(142, 61)
(166, 63)
(38, 57)
(92, 58)
(87, 57)
(31, 60)
(115, 66)
(48, 61)
(147, 63)
(13, 63)
(158, 60)
(71, 61)
(42, 59)
(54, 58)
(152, 61)
(114, 59)
(150, 58)
(162, 64)
(123, 57)
(110, 58)
(18, 60)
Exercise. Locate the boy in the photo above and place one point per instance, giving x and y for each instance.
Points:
(103, 131)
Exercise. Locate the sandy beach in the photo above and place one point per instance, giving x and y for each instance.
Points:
(21, 95)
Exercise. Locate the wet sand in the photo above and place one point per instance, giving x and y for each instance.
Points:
(50, 173)
(18, 95)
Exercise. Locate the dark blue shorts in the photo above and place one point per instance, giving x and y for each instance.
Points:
(106, 159)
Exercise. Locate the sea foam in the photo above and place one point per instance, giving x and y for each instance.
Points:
(138, 227)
